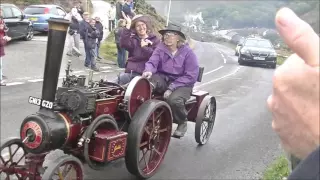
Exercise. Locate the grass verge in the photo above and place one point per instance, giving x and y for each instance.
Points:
(108, 48)
(280, 60)
(277, 170)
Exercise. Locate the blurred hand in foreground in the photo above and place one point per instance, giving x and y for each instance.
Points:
(294, 102)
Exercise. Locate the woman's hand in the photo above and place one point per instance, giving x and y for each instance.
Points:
(147, 74)
(144, 43)
(7, 38)
(128, 20)
(167, 94)
(149, 42)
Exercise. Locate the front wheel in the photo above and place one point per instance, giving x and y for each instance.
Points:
(30, 34)
(12, 156)
(65, 167)
(149, 136)
(205, 119)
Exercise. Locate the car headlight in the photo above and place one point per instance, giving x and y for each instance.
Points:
(273, 54)
(244, 51)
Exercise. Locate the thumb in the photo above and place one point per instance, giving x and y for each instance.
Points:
(298, 35)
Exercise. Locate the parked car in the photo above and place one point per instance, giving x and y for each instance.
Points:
(19, 26)
(257, 51)
(39, 14)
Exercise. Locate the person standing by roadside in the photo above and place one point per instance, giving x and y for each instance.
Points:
(79, 8)
(3, 40)
(99, 27)
(85, 29)
(126, 8)
(294, 102)
(121, 57)
(112, 16)
(73, 35)
(90, 38)
(6, 29)
(119, 7)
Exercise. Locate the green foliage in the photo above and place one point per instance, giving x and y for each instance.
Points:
(108, 49)
(277, 170)
(257, 13)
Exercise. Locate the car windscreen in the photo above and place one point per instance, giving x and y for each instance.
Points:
(35, 10)
(258, 43)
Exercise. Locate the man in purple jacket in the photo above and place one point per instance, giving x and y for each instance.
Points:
(138, 39)
(173, 70)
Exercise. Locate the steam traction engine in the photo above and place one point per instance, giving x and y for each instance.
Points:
(95, 124)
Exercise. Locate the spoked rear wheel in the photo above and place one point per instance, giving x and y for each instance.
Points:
(148, 138)
(65, 167)
(205, 120)
(11, 158)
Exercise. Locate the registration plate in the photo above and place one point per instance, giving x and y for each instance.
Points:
(259, 58)
(33, 19)
(40, 102)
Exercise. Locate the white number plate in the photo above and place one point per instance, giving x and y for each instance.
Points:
(40, 102)
(259, 58)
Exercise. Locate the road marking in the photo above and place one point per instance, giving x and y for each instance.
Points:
(212, 71)
(105, 67)
(35, 80)
(224, 59)
(107, 71)
(24, 78)
(14, 83)
(76, 72)
(215, 80)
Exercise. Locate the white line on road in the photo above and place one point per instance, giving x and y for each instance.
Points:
(215, 80)
(14, 83)
(224, 59)
(105, 67)
(76, 72)
(35, 80)
(212, 71)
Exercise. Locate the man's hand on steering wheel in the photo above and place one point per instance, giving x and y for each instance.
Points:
(147, 74)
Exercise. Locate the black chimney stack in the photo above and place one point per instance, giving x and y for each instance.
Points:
(55, 46)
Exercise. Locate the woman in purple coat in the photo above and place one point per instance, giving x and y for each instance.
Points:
(138, 39)
(173, 70)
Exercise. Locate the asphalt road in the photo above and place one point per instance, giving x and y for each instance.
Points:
(242, 143)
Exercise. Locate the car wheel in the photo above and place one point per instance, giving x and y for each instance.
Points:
(240, 61)
(30, 34)
(273, 66)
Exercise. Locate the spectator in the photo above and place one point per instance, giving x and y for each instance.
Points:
(132, 4)
(112, 16)
(79, 8)
(294, 102)
(127, 9)
(3, 40)
(89, 35)
(119, 7)
(138, 39)
(6, 29)
(121, 51)
(73, 35)
(99, 27)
